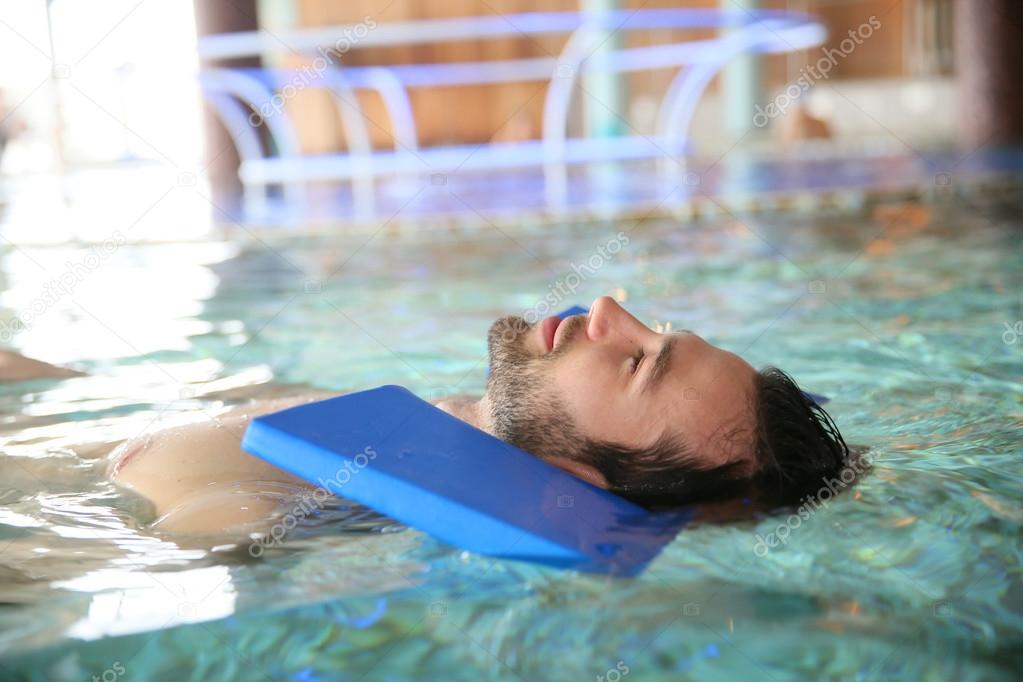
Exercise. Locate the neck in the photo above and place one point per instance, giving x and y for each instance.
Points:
(469, 409)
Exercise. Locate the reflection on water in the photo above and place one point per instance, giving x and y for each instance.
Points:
(898, 317)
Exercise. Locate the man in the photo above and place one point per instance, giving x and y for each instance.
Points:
(662, 419)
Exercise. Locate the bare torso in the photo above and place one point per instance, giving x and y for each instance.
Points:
(198, 478)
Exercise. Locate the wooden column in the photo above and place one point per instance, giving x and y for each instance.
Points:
(223, 17)
(989, 61)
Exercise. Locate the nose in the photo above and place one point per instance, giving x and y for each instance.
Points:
(610, 320)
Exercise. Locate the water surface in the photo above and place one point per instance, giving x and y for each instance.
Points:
(908, 317)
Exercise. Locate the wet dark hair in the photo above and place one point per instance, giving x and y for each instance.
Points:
(798, 449)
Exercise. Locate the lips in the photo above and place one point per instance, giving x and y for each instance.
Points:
(548, 328)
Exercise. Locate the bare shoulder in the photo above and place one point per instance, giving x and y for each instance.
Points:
(214, 437)
(171, 465)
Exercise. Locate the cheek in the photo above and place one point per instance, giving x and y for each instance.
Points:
(583, 372)
(591, 394)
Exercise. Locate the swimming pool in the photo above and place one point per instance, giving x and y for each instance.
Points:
(908, 317)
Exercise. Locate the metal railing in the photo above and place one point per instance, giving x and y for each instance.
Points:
(246, 99)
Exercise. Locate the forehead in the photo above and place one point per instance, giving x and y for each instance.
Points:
(707, 394)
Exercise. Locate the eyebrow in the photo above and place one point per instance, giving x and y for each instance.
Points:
(661, 364)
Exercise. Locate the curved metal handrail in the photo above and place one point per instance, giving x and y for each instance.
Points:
(249, 93)
(259, 43)
(700, 60)
(256, 96)
(771, 36)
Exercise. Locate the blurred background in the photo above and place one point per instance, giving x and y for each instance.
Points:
(88, 90)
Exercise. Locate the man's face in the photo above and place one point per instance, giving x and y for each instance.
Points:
(608, 377)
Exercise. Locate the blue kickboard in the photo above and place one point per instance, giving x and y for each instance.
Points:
(398, 454)
(574, 310)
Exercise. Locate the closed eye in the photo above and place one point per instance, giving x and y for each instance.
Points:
(636, 361)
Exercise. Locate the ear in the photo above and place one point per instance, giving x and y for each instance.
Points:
(583, 471)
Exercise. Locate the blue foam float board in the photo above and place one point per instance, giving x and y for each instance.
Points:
(574, 310)
(398, 454)
(819, 399)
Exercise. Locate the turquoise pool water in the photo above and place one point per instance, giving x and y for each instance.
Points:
(907, 316)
